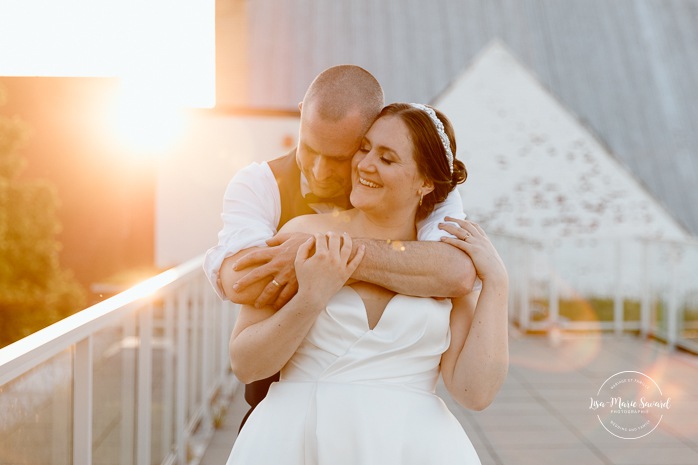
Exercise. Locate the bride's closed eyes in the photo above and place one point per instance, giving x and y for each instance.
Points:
(365, 148)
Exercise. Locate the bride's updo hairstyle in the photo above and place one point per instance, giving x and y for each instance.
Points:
(429, 151)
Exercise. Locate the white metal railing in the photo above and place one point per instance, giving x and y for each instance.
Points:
(136, 379)
(597, 284)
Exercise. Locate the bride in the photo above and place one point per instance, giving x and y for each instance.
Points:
(359, 363)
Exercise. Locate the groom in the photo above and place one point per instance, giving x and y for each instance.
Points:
(315, 177)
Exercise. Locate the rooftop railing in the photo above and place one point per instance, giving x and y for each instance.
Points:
(648, 287)
(139, 378)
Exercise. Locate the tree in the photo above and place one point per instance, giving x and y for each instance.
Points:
(34, 290)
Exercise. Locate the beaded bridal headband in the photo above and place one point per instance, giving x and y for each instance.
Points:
(440, 129)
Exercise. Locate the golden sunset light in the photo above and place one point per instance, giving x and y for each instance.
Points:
(145, 121)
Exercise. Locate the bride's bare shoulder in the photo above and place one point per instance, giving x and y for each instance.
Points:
(322, 222)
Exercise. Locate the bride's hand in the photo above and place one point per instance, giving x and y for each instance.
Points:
(323, 272)
(471, 239)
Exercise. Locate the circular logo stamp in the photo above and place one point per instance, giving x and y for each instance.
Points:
(629, 405)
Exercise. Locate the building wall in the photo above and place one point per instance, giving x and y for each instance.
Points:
(534, 170)
(191, 181)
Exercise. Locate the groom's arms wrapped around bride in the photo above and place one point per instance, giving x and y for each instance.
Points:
(424, 268)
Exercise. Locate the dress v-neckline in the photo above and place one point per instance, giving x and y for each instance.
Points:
(365, 313)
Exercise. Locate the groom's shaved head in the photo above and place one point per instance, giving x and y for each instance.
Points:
(343, 90)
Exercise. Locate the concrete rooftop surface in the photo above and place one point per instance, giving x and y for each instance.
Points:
(542, 414)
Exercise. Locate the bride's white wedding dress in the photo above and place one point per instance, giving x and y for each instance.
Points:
(359, 396)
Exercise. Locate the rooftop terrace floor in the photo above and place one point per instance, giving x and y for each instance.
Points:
(542, 414)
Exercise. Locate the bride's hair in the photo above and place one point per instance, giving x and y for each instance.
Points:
(429, 152)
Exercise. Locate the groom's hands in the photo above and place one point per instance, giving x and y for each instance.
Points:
(275, 266)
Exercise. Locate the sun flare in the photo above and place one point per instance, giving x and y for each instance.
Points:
(147, 124)
(162, 52)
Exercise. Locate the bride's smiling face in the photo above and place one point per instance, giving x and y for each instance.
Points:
(385, 176)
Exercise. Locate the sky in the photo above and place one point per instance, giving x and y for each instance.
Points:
(163, 50)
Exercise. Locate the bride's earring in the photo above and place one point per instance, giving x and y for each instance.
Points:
(421, 197)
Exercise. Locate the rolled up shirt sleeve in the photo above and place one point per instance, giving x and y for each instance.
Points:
(428, 228)
(251, 213)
